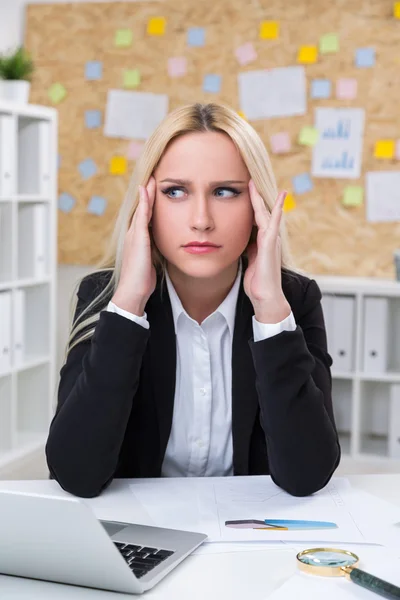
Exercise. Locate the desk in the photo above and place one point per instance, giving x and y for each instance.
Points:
(231, 576)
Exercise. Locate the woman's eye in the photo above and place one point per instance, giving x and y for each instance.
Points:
(226, 192)
(174, 192)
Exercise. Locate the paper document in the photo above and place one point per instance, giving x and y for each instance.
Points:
(134, 115)
(383, 196)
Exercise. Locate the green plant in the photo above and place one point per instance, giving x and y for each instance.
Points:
(16, 65)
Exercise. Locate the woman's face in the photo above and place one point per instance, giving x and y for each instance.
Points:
(202, 196)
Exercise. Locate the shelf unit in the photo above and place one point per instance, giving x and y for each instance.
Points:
(362, 403)
(28, 257)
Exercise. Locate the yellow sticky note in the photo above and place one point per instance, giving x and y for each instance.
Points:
(156, 26)
(384, 149)
(290, 203)
(329, 43)
(269, 30)
(307, 55)
(131, 78)
(396, 10)
(57, 92)
(241, 114)
(123, 38)
(353, 195)
(308, 136)
(118, 165)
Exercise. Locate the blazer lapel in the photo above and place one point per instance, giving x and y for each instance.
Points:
(244, 394)
(162, 348)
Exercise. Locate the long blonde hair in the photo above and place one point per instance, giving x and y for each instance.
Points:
(190, 118)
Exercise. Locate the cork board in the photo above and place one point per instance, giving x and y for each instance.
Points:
(326, 237)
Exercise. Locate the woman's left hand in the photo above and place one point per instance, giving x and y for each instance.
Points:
(262, 280)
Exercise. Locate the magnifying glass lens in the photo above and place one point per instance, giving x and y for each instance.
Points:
(326, 558)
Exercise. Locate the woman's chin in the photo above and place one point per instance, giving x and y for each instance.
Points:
(199, 267)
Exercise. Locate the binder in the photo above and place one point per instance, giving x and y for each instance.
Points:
(394, 421)
(5, 332)
(39, 240)
(342, 332)
(19, 328)
(32, 241)
(375, 351)
(44, 157)
(327, 309)
(7, 137)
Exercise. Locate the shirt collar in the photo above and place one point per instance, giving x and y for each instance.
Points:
(227, 308)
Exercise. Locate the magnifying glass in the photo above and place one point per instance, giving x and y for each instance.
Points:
(331, 562)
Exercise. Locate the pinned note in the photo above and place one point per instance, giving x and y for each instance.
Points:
(156, 26)
(365, 57)
(118, 165)
(280, 142)
(269, 30)
(289, 203)
(329, 43)
(246, 53)
(66, 202)
(97, 205)
(384, 149)
(212, 83)
(131, 78)
(177, 66)
(123, 38)
(133, 115)
(134, 150)
(321, 88)
(196, 36)
(308, 136)
(353, 195)
(57, 93)
(302, 183)
(92, 119)
(93, 70)
(87, 168)
(396, 10)
(346, 89)
(307, 55)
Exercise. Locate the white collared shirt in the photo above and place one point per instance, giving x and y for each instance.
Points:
(200, 442)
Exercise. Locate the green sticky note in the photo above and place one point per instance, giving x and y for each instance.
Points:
(329, 43)
(131, 78)
(57, 92)
(123, 38)
(308, 136)
(353, 195)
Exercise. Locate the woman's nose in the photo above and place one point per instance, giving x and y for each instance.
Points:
(201, 217)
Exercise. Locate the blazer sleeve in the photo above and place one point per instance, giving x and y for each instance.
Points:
(97, 386)
(294, 386)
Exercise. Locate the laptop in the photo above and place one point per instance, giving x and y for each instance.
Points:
(60, 539)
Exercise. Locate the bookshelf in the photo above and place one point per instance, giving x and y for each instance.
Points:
(28, 236)
(366, 387)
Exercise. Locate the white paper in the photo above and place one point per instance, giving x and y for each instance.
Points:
(383, 196)
(338, 152)
(273, 93)
(134, 114)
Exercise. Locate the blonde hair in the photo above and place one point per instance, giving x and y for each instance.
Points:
(187, 119)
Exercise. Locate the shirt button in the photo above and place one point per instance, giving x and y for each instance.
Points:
(203, 391)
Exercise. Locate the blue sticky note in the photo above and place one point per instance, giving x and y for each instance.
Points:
(212, 83)
(321, 88)
(93, 70)
(66, 202)
(97, 205)
(87, 168)
(302, 183)
(92, 119)
(196, 36)
(365, 57)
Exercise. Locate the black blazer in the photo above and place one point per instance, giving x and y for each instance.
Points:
(116, 395)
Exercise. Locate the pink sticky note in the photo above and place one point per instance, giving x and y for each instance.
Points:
(177, 66)
(134, 150)
(397, 153)
(246, 53)
(280, 142)
(346, 89)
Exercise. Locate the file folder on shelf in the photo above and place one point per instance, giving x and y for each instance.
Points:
(34, 158)
(32, 241)
(19, 328)
(5, 332)
(394, 421)
(376, 312)
(7, 150)
(339, 322)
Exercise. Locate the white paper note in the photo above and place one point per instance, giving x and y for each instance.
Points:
(383, 196)
(338, 152)
(273, 93)
(134, 114)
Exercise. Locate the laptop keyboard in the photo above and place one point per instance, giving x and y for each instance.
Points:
(142, 559)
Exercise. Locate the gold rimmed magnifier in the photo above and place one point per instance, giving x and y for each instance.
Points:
(332, 562)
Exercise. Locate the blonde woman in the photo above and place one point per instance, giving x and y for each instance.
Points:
(195, 349)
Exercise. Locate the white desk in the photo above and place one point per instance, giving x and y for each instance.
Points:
(233, 576)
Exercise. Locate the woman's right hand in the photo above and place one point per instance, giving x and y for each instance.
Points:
(138, 275)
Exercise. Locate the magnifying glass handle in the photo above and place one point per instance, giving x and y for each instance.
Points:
(372, 583)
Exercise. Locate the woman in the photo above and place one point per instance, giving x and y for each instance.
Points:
(194, 350)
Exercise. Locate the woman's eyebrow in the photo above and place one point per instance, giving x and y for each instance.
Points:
(212, 183)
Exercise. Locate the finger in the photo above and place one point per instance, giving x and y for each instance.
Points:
(261, 213)
(151, 194)
(277, 211)
(141, 214)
